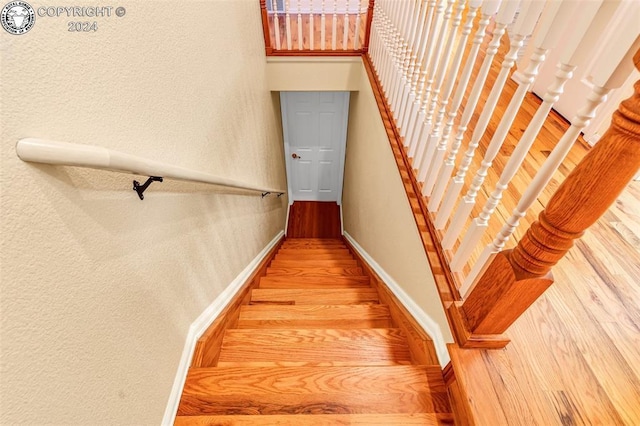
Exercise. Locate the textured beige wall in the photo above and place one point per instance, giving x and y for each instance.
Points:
(314, 74)
(98, 289)
(376, 210)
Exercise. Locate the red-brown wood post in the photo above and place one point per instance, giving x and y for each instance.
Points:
(367, 30)
(516, 278)
(265, 27)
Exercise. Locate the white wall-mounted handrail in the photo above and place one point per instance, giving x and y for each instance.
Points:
(96, 157)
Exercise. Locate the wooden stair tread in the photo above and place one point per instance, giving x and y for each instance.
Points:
(312, 256)
(311, 249)
(423, 419)
(315, 270)
(294, 347)
(314, 263)
(314, 316)
(309, 390)
(320, 282)
(302, 296)
(313, 241)
(314, 245)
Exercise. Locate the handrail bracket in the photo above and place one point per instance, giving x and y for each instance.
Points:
(141, 188)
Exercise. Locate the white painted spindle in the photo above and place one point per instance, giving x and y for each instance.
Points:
(401, 48)
(411, 55)
(523, 27)
(299, 26)
(505, 16)
(276, 24)
(489, 8)
(467, 202)
(312, 45)
(420, 77)
(323, 26)
(356, 37)
(334, 25)
(438, 63)
(443, 98)
(421, 128)
(606, 80)
(345, 32)
(287, 14)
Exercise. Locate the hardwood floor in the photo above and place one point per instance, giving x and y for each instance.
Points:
(314, 219)
(317, 345)
(574, 356)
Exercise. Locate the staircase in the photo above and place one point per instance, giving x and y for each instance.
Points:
(315, 346)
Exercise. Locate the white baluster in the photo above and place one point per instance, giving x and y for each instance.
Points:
(276, 23)
(287, 13)
(605, 79)
(414, 149)
(443, 98)
(489, 8)
(334, 25)
(410, 62)
(345, 32)
(402, 50)
(522, 28)
(420, 76)
(556, 17)
(393, 42)
(505, 16)
(356, 40)
(437, 59)
(312, 45)
(403, 62)
(299, 26)
(323, 26)
(433, 59)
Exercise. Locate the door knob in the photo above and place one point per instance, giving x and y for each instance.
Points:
(294, 155)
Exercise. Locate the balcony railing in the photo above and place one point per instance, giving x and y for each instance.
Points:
(319, 27)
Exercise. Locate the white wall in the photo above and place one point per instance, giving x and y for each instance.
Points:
(98, 288)
(376, 210)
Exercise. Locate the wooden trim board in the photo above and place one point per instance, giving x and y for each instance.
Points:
(238, 289)
(422, 332)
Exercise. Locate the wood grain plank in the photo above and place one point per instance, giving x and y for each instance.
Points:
(321, 347)
(314, 316)
(422, 419)
(301, 271)
(311, 380)
(301, 255)
(313, 263)
(314, 219)
(319, 282)
(343, 296)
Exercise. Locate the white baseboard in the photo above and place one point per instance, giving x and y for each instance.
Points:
(426, 322)
(200, 325)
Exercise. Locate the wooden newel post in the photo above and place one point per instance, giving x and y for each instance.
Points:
(516, 278)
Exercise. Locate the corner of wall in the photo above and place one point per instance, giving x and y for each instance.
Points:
(200, 325)
(423, 318)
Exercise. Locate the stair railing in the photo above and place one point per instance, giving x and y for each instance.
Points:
(316, 27)
(413, 48)
(95, 157)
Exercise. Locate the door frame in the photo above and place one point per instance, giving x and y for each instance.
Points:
(287, 139)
